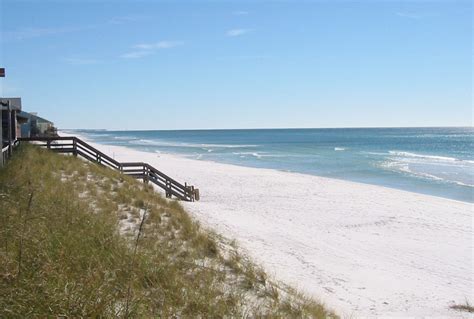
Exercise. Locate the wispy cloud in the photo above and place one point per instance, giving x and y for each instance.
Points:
(146, 49)
(24, 33)
(136, 54)
(27, 33)
(80, 61)
(237, 32)
(158, 45)
(240, 13)
(409, 15)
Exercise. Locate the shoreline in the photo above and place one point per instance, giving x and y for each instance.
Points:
(442, 171)
(172, 155)
(336, 249)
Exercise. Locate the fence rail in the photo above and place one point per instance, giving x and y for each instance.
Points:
(139, 170)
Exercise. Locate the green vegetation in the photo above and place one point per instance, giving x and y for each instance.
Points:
(463, 307)
(79, 240)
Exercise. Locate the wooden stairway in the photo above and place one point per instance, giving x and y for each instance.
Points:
(139, 170)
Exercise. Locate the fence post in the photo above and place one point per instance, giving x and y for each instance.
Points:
(168, 188)
(2, 161)
(145, 174)
(187, 192)
(74, 146)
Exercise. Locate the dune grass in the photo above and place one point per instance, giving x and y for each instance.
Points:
(466, 307)
(80, 240)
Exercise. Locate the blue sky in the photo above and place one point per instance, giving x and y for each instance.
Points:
(239, 64)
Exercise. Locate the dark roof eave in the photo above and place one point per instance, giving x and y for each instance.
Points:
(12, 107)
(15, 103)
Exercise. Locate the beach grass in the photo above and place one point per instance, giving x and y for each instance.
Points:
(80, 240)
(466, 307)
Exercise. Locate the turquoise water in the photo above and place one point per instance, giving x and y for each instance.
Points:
(436, 161)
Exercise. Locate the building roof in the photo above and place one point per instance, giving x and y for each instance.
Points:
(40, 119)
(34, 117)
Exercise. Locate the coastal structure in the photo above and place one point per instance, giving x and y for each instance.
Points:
(139, 170)
(11, 122)
(36, 126)
(16, 123)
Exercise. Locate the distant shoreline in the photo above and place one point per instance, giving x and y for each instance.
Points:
(169, 155)
(263, 128)
(435, 161)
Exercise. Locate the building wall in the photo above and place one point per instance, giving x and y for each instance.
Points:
(4, 127)
(26, 129)
(43, 127)
(13, 125)
(18, 129)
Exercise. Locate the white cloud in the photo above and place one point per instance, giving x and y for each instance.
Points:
(145, 49)
(158, 45)
(136, 54)
(24, 33)
(27, 33)
(237, 32)
(240, 13)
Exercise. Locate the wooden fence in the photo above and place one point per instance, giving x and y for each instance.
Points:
(139, 170)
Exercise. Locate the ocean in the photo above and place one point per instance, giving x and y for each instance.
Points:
(434, 161)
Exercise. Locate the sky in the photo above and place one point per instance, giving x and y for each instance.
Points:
(161, 65)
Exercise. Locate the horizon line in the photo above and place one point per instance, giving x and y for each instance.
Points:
(263, 128)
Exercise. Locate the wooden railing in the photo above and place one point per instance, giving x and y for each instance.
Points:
(139, 170)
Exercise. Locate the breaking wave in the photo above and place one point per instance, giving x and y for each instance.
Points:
(189, 145)
(431, 167)
(430, 157)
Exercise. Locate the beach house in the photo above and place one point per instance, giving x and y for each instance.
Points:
(11, 125)
(36, 126)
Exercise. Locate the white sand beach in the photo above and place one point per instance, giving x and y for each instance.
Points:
(363, 250)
